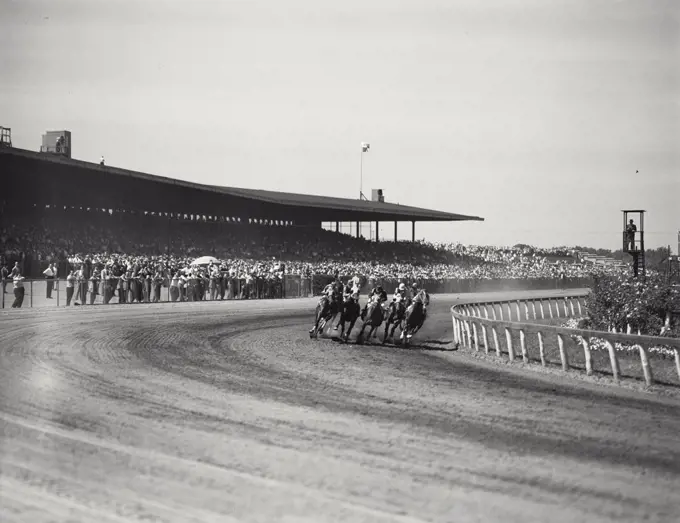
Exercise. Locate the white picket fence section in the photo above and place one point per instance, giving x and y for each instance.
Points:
(491, 319)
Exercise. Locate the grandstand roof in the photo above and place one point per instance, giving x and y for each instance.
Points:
(325, 208)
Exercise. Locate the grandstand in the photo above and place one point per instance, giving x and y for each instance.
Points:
(44, 189)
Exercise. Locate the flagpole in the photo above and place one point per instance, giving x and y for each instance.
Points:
(361, 174)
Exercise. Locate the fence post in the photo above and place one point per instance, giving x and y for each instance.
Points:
(508, 339)
(469, 333)
(493, 311)
(613, 360)
(566, 311)
(485, 339)
(533, 308)
(571, 306)
(541, 348)
(542, 310)
(550, 309)
(646, 368)
(563, 353)
(523, 346)
(509, 312)
(526, 310)
(455, 334)
(476, 339)
(578, 304)
(519, 314)
(588, 356)
(497, 345)
(486, 311)
(500, 308)
(677, 361)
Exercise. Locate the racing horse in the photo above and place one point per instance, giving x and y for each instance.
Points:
(415, 316)
(324, 312)
(350, 311)
(374, 318)
(394, 320)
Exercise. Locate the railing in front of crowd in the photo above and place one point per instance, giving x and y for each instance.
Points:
(62, 293)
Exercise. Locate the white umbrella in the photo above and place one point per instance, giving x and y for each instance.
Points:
(205, 260)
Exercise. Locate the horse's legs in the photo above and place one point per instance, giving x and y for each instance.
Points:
(387, 327)
(351, 326)
(361, 333)
(314, 331)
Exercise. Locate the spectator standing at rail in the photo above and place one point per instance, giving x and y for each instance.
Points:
(70, 287)
(106, 284)
(93, 287)
(174, 287)
(15, 270)
(50, 274)
(157, 283)
(19, 290)
(122, 288)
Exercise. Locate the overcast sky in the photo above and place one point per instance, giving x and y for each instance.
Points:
(534, 114)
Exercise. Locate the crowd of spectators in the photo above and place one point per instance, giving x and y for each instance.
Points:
(148, 248)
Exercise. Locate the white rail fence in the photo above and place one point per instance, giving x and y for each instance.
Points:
(475, 324)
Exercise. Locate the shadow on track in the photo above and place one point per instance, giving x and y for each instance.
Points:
(426, 345)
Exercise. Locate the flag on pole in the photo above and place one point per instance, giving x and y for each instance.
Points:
(365, 146)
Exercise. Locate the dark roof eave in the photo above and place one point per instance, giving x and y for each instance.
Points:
(335, 205)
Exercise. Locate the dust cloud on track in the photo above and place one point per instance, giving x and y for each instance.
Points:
(214, 411)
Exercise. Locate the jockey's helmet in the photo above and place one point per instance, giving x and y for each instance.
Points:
(414, 286)
(402, 287)
(379, 288)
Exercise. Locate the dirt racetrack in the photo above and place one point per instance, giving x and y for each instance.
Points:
(227, 411)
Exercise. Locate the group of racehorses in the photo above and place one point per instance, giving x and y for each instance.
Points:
(408, 319)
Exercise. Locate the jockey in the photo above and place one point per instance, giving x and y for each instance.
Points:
(377, 294)
(356, 282)
(329, 292)
(351, 291)
(422, 297)
(400, 293)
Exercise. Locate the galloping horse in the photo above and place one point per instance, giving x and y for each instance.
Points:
(350, 312)
(414, 316)
(323, 314)
(374, 318)
(394, 320)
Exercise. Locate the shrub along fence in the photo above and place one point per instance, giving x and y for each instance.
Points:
(476, 324)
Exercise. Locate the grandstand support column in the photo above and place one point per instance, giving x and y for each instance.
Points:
(377, 232)
(413, 230)
(395, 231)
(358, 231)
(337, 226)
